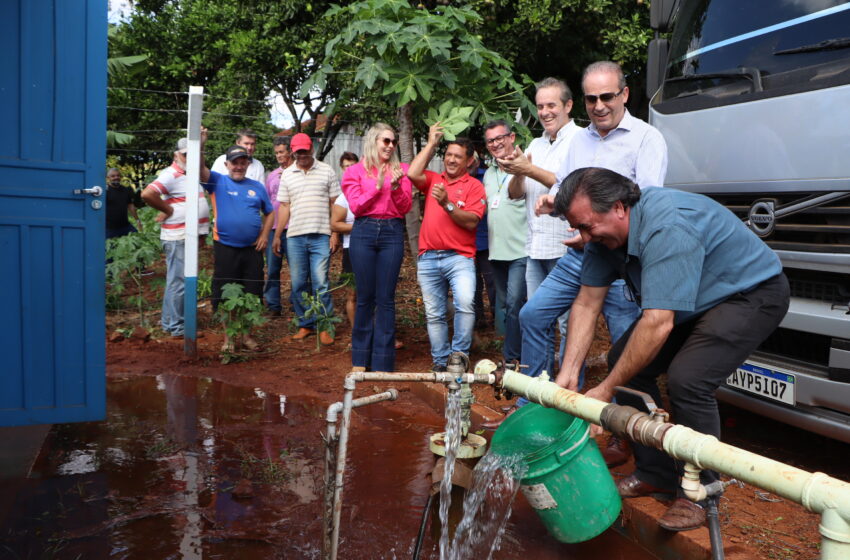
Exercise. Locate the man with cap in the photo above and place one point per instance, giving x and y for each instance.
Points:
(168, 195)
(243, 220)
(306, 193)
(246, 138)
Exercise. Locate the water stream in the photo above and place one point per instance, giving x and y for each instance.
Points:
(487, 507)
(452, 440)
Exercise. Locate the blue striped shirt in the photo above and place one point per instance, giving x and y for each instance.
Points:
(685, 253)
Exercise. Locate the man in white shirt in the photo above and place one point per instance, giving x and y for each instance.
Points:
(246, 138)
(168, 195)
(544, 242)
(614, 140)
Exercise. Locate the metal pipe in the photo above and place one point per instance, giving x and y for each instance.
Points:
(816, 492)
(442, 377)
(348, 403)
(333, 506)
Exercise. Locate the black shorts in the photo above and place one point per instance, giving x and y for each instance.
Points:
(346, 261)
(243, 265)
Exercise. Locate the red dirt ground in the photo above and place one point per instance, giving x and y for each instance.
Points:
(752, 520)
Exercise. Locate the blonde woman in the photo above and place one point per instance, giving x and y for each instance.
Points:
(379, 194)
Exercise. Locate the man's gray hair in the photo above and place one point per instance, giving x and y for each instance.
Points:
(497, 122)
(111, 169)
(566, 93)
(602, 186)
(246, 133)
(605, 66)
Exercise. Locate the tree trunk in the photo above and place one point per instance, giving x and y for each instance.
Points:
(405, 146)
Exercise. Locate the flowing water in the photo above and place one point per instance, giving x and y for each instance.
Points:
(487, 507)
(452, 440)
(196, 469)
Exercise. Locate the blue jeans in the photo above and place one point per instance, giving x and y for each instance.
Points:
(553, 298)
(509, 280)
(536, 271)
(172, 300)
(309, 260)
(437, 271)
(271, 290)
(376, 250)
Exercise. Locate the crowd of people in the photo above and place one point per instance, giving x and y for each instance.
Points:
(576, 226)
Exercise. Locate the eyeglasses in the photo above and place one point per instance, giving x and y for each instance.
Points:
(605, 97)
(389, 141)
(497, 139)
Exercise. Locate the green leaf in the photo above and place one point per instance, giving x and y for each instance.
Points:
(369, 71)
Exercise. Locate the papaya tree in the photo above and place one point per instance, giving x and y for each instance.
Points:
(418, 60)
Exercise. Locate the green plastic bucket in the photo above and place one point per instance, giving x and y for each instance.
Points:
(566, 480)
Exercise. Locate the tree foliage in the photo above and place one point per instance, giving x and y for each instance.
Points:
(414, 58)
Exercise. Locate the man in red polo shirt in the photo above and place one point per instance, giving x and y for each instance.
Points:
(454, 203)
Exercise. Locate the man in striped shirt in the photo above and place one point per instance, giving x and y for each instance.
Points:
(168, 195)
(306, 194)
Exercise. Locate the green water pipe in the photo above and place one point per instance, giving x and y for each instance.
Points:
(817, 492)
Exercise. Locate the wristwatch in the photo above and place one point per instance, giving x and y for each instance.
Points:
(450, 207)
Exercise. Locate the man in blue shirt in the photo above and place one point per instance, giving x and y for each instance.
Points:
(709, 291)
(243, 220)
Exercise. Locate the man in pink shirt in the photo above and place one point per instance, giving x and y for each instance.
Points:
(271, 291)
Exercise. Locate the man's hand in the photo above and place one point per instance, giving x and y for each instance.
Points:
(335, 244)
(204, 135)
(516, 163)
(276, 246)
(438, 192)
(435, 133)
(261, 243)
(574, 242)
(162, 216)
(544, 205)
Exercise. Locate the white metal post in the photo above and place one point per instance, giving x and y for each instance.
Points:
(193, 176)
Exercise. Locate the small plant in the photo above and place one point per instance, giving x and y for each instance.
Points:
(315, 308)
(127, 257)
(239, 312)
(204, 284)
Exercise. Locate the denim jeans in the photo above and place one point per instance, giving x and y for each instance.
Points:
(509, 280)
(376, 250)
(437, 271)
(536, 271)
(271, 290)
(309, 260)
(172, 300)
(554, 297)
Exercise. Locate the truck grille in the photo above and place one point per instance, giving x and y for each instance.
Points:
(820, 229)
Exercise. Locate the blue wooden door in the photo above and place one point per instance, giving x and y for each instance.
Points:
(52, 143)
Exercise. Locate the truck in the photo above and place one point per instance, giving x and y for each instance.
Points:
(753, 99)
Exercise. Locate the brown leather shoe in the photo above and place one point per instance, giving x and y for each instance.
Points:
(683, 515)
(494, 424)
(633, 487)
(616, 452)
(326, 338)
(302, 333)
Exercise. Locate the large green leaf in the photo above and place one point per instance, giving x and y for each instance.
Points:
(369, 71)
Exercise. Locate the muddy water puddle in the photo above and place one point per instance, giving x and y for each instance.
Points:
(189, 468)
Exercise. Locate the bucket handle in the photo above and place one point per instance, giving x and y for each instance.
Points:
(582, 439)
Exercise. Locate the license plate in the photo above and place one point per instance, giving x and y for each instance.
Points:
(768, 383)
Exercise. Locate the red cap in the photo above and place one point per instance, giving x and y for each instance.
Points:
(300, 142)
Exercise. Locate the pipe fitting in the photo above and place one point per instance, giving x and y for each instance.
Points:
(643, 429)
(615, 418)
(691, 485)
(333, 411)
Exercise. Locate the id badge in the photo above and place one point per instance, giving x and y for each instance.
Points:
(494, 203)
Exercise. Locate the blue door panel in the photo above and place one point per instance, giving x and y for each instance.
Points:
(53, 97)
